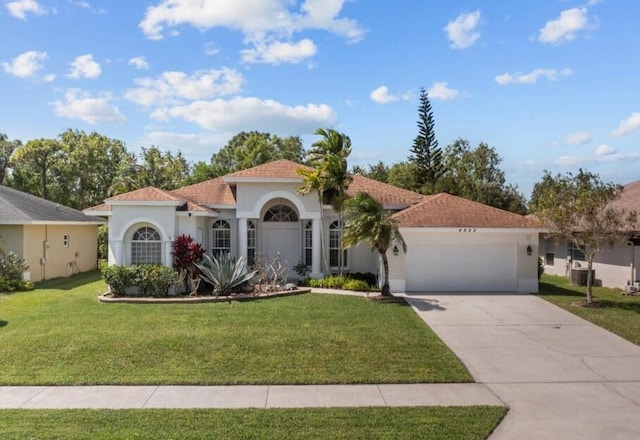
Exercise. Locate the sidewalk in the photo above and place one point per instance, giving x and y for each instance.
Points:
(243, 396)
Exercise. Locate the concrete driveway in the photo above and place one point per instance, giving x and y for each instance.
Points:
(562, 377)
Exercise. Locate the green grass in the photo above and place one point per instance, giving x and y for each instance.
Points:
(467, 423)
(617, 313)
(60, 334)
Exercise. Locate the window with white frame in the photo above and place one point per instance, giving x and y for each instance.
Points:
(220, 238)
(146, 246)
(281, 213)
(335, 245)
(308, 243)
(251, 242)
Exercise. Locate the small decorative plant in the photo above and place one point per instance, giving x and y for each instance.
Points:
(301, 269)
(186, 255)
(225, 273)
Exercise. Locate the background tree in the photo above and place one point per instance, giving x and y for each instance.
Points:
(403, 175)
(368, 222)
(91, 165)
(35, 167)
(7, 148)
(249, 149)
(577, 209)
(378, 171)
(425, 154)
(475, 174)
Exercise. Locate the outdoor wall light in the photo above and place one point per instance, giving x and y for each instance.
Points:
(529, 250)
(396, 251)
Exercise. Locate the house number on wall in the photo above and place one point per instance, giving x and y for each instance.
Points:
(467, 230)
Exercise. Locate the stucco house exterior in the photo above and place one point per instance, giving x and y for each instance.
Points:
(453, 244)
(616, 267)
(55, 241)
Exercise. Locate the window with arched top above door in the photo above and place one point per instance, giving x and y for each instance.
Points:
(146, 246)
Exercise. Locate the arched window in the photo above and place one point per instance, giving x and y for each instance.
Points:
(220, 238)
(251, 242)
(308, 243)
(146, 246)
(281, 213)
(335, 243)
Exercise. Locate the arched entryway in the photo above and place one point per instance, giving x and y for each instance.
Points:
(281, 233)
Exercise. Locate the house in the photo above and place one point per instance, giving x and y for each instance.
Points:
(453, 244)
(54, 240)
(615, 267)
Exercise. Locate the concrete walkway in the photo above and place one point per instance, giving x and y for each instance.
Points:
(562, 377)
(266, 396)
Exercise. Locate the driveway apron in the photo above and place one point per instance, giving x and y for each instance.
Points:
(561, 376)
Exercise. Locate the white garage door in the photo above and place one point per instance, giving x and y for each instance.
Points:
(461, 268)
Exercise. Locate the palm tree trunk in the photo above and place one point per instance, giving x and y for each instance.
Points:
(386, 290)
(322, 237)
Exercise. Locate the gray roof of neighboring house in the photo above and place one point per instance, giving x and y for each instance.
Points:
(19, 208)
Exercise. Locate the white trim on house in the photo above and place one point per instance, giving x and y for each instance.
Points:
(46, 222)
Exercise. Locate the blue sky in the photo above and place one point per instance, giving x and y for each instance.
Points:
(551, 84)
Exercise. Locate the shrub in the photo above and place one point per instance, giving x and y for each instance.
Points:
(225, 273)
(11, 269)
(103, 242)
(186, 254)
(150, 279)
(368, 277)
(540, 267)
(357, 285)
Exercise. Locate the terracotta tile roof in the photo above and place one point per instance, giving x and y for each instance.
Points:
(99, 208)
(282, 168)
(147, 194)
(630, 198)
(386, 194)
(447, 211)
(210, 192)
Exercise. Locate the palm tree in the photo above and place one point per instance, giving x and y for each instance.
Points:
(368, 222)
(315, 182)
(329, 156)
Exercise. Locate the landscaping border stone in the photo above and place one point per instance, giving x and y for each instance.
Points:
(105, 298)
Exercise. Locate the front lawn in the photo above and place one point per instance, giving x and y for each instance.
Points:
(469, 423)
(617, 313)
(60, 334)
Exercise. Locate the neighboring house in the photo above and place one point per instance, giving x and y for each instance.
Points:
(616, 267)
(54, 240)
(453, 244)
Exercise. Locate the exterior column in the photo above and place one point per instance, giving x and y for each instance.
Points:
(242, 238)
(116, 252)
(316, 249)
(168, 258)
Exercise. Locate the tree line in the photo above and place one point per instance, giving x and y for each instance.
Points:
(80, 169)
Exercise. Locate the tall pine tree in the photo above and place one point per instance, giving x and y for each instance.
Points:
(425, 154)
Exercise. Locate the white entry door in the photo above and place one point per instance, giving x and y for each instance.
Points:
(282, 238)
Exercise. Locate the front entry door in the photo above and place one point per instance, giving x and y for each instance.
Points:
(283, 238)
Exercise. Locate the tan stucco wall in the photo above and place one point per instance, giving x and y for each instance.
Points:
(48, 241)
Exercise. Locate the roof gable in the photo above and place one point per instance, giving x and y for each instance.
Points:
(147, 194)
(210, 192)
(448, 211)
(17, 207)
(629, 198)
(278, 169)
(388, 195)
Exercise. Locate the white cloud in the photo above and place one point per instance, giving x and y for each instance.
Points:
(279, 52)
(139, 63)
(629, 125)
(211, 48)
(80, 3)
(463, 31)
(252, 17)
(443, 92)
(84, 66)
(262, 22)
(381, 95)
(578, 138)
(605, 150)
(245, 114)
(78, 104)
(49, 78)
(20, 8)
(566, 26)
(26, 64)
(176, 87)
(531, 77)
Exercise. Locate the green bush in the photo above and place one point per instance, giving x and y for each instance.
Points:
(357, 285)
(540, 267)
(11, 269)
(150, 279)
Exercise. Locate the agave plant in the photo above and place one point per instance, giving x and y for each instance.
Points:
(225, 273)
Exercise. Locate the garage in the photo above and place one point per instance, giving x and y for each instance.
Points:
(456, 245)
